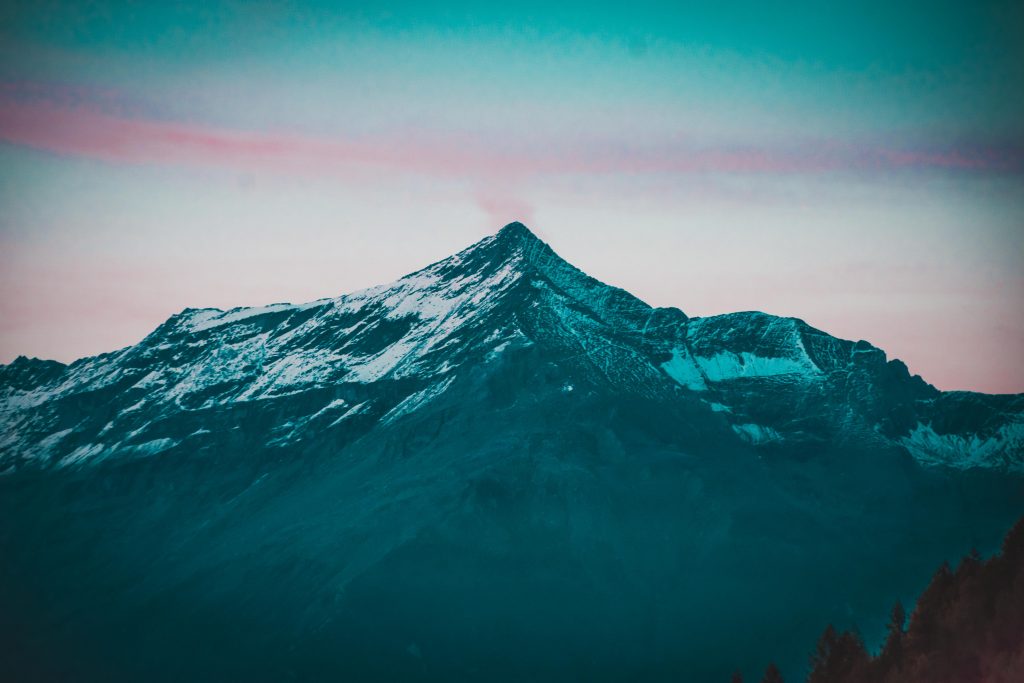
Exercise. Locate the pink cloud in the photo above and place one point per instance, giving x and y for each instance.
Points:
(501, 207)
(111, 128)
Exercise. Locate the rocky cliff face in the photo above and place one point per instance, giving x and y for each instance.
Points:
(495, 468)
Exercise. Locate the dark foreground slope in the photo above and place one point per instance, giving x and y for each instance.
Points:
(493, 469)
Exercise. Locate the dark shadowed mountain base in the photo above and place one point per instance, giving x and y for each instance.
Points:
(495, 469)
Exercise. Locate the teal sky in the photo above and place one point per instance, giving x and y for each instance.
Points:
(857, 166)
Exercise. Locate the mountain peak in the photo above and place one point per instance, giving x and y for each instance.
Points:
(513, 243)
(517, 231)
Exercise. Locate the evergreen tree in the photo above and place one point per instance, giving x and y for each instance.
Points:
(821, 659)
(1013, 544)
(892, 650)
(772, 674)
(839, 657)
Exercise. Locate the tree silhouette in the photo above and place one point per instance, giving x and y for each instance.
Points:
(821, 667)
(772, 675)
(892, 651)
(968, 625)
(838, 657)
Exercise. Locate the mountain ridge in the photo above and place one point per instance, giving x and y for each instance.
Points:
(509, 288)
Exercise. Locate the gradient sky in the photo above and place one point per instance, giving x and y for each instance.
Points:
(859, 167)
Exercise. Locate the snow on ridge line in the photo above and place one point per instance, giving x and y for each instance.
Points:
(433, 297)
(415, 282)
(427, 294)
(208, 318)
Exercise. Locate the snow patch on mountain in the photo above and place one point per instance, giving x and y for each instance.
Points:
(964, 451)
(153, 446)
(727, 365)
(208, 318)
(417, 400)
(381, 364)
(357, 409)
(53, 439)
(82, 453)
(333, 405)
(683, 370)
(306, 369)
(756, 434)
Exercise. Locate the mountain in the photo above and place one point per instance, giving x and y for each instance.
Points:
(495, 467)
(366, 359)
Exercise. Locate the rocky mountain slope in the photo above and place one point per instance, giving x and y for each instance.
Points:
(495, 468)
(363, 360)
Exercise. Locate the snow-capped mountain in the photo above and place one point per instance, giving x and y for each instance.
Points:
(364, 360)
(494, 469)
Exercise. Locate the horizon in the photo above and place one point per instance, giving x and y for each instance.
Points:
(859, 169)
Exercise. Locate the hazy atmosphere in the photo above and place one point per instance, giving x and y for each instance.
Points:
(860, 168)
